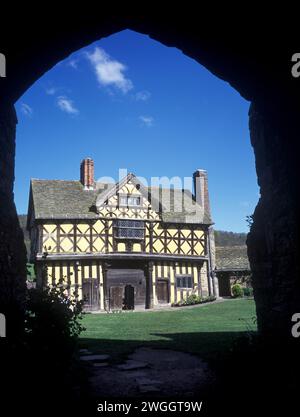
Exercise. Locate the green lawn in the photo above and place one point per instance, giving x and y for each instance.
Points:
(204, 330)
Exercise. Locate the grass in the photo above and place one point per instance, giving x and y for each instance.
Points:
(204, 330)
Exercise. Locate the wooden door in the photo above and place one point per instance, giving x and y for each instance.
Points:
(121, 277)
(90, 294)
(116, 298)
(162, 291)
(129, 298)
(224, 286)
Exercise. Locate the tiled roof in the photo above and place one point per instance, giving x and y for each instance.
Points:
(232, 257)
(69, 200)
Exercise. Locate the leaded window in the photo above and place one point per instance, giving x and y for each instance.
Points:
(129, 229)
(129, 200)
(184, 281)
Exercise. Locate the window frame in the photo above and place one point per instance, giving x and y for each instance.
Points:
(185, 277)
(128, 196)
(117, 228)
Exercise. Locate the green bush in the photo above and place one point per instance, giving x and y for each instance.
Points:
(248, 292)
(194, 299)
(236, 291)
(53, 323)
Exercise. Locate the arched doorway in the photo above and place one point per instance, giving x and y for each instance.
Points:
(273, 243)
(129, 297)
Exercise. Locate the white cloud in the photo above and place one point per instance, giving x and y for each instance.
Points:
(51, 91)
(73, 63)
(66, 105)
(146, 120)
(142, 95)
(109, 72)
(26, 109)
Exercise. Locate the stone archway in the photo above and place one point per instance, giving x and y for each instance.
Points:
(274, 239)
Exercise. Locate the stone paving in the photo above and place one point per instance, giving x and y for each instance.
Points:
(157, 372)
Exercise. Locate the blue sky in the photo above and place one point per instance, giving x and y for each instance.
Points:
(130, 102)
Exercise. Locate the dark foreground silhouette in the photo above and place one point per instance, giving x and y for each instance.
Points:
(249, 378)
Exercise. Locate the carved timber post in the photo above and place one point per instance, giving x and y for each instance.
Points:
(105, 289)
(149, 286)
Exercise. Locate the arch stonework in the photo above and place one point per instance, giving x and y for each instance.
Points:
(273, 242)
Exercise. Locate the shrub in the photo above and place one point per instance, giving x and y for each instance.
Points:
(194, 299)
(248, 292)
(237, 291)
(53, 323)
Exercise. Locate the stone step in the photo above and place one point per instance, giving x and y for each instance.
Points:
(100, 364)
(94, 358)
(147, 381)
(144, 389)
(131, 365)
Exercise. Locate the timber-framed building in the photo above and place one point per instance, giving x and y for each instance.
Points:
(125, 245)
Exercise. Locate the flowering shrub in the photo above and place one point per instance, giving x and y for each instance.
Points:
(194, 299)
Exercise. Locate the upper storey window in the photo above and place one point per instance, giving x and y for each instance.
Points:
(129, 200)
(129, 229)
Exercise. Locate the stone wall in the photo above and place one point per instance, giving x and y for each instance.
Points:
(259, 71)
(12, 248)
(273, 240)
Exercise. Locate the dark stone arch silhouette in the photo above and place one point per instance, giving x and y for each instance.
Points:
(273, 242)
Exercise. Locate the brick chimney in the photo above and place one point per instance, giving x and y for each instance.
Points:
(87, 174)
(201, 191)
(202, 198)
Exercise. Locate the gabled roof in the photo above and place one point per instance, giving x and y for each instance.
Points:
(63, 199)
(232, 258)
(60, 199)
(145, 191)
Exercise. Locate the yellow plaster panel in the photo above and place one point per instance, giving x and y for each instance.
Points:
(185, 248)
(65, 274)
(72, 274)
(172, 280)
(83, 244)
(157, 229)
(198, 234)
(49, 245)
(159, 271)
(110, 243)
(94, 270)
(83, 228)
(136, 247)
(166, 271)
(157, 246)
(50, 228)
(87, 271)
(67, 244)
(185, 232)
(57, 273)
(99, 227)
(98, 245)
(79, 275)
(198, 249)
(121, 247)
(172, 232)
(195, 274)
(103, 211)
(172, 246)
(66, 228)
